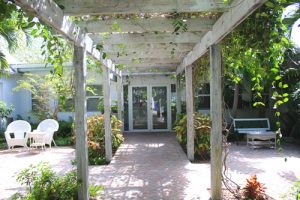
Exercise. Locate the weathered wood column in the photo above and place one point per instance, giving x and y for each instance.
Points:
(120, 100)
(178, 96)
(190, 111)
(79, 62)
(216, 118)
(106, 96)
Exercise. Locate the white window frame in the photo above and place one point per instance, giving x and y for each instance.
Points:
(94, 96)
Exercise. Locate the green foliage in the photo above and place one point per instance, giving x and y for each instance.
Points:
(13, 20)
(294, 191)
(96, 138)
(5, 110)
(254, 190)
(12, 24)
(65, 129)
(46, 88)
(64, 141)
(202, 127)
(44, 184)
(95, 189)
(296, 93)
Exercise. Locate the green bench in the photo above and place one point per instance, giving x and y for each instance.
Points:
(257, 131)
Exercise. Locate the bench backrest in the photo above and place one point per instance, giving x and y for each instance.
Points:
(251, 124)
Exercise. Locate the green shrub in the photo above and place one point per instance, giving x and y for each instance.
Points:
(202, 127)
(96, 138)
(42, 183)
(64, 130)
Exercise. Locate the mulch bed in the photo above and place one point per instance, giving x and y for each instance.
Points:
(226, 195)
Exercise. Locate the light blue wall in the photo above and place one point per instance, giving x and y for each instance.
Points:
(21, 100)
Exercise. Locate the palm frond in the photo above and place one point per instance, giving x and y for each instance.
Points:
(10, 36)
(3, 63)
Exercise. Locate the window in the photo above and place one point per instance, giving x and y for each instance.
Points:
(93, 95)
(202, 100)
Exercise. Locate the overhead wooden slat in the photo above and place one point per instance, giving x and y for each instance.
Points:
(159, 54)
(136, 38)
(159, 24)
(224, 25)
(152, 65)
(147, 60)
(150, 69)
(148, 48)
(97, 7)
(49, 12)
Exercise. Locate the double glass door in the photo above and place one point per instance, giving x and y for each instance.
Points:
(149, 108)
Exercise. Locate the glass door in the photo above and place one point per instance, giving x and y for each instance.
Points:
(149, 108)
(159, 107)
(139, 108)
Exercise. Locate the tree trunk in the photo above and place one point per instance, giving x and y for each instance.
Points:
(235, 100)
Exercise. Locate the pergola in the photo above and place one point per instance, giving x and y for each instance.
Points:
(148, 40)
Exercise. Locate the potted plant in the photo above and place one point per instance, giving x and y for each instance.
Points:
(5, 111)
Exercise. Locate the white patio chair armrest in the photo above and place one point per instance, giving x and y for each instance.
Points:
(7, 134)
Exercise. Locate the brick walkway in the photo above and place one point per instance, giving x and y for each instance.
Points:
(152, 166)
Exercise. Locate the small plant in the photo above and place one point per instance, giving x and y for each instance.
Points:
(95, 190)
(254, 190)
(5, 110)
(43, 183)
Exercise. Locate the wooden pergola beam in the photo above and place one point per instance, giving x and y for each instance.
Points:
(99, 7)
(147, 47)
(129, 61)
(217, 120)
(152, 65)
(49, 12)
(160, 24)
(240, 10)
(149, 69)
(190, 146)
(79, 61)
(153, 55)
(137, 38)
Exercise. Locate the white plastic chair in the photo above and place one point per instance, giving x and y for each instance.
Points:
(49, 126)
(19, 129)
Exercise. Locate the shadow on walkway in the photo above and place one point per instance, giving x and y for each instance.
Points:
(152, 166)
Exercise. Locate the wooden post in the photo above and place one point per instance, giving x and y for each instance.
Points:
(79, 62)
(178, 96)
(106, 96)
(216, 118)
(190, 111)
(120, 100)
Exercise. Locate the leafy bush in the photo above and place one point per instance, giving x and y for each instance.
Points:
(65, 129)
(96, 138)
(43, 183)
(294, 191)
(5, 110)
(254, 190)
(202, 127)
